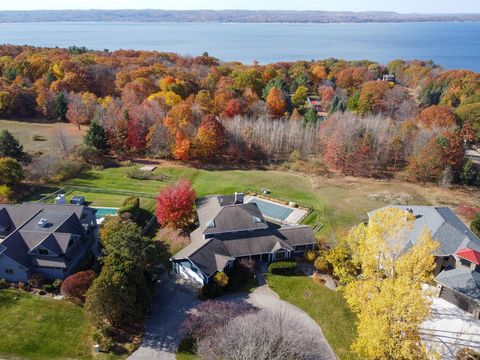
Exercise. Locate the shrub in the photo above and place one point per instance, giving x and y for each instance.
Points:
(138, 174)
(221, 279)
(467, 354)
(4, 284)
(36, 280)
(6, 194)
(475, 225)
(131, 205)
(48, 288)
(11, 171)
(310, 255)
(321, 265)
(283, 267)
(75, 286)
(21, 286)
(174, 239)
(57, 283)
(37, 137)
(467, 211)
(210, 291)
(211, 314)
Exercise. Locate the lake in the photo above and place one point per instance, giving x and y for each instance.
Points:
(452, 45)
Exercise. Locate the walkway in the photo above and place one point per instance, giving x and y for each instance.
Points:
(172, 300)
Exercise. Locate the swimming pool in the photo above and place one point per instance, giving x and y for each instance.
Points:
(272, 210)
(104, 211)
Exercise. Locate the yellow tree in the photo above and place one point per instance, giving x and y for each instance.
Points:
(388, 297)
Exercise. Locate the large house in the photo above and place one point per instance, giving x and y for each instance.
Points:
(44, 238)
(457, 258)
(230, 229)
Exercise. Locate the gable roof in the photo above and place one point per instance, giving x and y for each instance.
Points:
(465, 281)
(444, 225)
(470, 255)
(211, 255)
(63, 221)
(217, 214)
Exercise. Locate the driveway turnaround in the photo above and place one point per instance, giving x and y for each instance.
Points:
(173, 299)
(449, 329)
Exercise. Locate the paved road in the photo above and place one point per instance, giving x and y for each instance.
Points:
(171, 302)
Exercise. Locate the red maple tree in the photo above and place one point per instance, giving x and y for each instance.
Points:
(175, 205)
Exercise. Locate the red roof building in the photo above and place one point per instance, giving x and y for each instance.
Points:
(470, 255)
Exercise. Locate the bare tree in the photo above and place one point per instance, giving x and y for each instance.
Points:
(266, 335)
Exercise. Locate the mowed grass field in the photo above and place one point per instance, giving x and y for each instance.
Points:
(340, 202)
(32, 327)
(25, 131)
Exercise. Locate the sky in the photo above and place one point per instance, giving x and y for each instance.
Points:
(403, 6)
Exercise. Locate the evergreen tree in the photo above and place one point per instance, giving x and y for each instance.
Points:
(60, 106)
(10, 146)
(475, 225)
(310, 116)
(96, 136)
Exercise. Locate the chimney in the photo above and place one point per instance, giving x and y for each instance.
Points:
(239, 198)
(42, 223)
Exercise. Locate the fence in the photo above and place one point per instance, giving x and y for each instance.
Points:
(69, 188)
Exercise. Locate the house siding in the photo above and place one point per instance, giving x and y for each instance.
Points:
(460, 300)
(19, 273)
(51, 273)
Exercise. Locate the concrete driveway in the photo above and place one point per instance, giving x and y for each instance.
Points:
(449, 329)
(172, 300)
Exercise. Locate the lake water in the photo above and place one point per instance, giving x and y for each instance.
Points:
(452, 45)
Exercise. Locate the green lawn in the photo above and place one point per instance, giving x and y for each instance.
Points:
(33, 327)
(328, 308)
(283, 185)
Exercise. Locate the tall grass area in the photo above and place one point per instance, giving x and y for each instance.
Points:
(327, 307)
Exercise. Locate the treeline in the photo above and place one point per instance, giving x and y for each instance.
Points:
(235, 16)
(197, 108)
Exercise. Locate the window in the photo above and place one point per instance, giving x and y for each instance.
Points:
(279, 255)
(8, 271)
(43, 251)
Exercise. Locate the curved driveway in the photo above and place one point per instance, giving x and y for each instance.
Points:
(173, 300)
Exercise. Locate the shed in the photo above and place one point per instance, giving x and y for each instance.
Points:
(77, 200)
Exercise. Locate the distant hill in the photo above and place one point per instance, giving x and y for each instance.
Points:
(229, 16)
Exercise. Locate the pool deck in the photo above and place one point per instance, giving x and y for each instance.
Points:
(294, 218)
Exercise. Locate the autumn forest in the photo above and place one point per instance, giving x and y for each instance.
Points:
(340, 113)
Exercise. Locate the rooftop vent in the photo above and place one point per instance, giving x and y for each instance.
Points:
(42, 223)
(257, 220)
(211, 224)
(239, 198)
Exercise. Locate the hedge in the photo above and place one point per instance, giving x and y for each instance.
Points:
(283, 267)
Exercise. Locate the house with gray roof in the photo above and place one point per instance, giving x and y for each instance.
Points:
(230, 230)
(49, 239)
(457, 258)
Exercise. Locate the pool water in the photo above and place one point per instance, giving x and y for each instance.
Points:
(103, 211)
(274, 211)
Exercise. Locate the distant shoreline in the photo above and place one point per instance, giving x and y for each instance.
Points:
(226, 16)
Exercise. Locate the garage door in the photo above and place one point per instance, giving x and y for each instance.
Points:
(458, 299)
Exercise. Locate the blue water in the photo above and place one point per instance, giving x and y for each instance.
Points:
(452, 45)
(273, 211)
(102, 212)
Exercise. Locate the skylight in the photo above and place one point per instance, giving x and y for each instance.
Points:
(257, 220)
(211, 224)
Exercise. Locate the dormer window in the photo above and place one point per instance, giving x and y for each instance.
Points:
(43, 252)
(211, 224)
